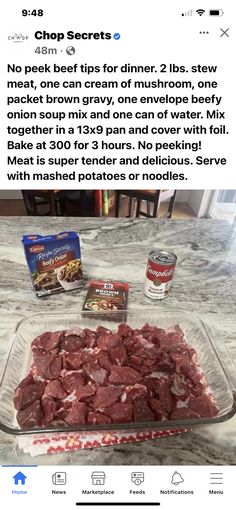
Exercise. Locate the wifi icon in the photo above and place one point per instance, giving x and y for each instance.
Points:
(200, 12)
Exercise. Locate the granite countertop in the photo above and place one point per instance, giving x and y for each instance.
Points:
(205, 283)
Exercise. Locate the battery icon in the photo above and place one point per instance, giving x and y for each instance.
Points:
(216, 12)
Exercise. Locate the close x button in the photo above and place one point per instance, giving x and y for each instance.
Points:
(224, 32)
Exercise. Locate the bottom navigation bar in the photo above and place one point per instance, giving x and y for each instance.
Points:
(114, 486)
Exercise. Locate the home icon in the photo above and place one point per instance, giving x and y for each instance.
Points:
(19, 478)
(98, 477)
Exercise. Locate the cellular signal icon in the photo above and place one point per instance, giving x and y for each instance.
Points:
(200, 12)
(188, 13)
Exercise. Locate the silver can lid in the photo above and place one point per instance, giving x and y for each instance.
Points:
(163, 257)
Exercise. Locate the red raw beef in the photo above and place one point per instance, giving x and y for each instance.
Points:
(40, 341)
(106, 396)
(121, 413)
(108, 341)
(152, 384)
(77, 414)
(147, 328)
(149, 363)
(179, 387)
(157, 336)
(142, 411)
(203, 405)
(190, 370)
(118, 355)
(103, 361)
(153, 338)
(47, 341)
(145, 349)
(55, 389)
(54, 368)
(72, 381)
(181, 349)
(49, 409)
(71, 343)
(130, 342)
(137, 391)
(28, 393)
(164, 363)
(168, 339)
(95, 372)
(27, 380)
(31, 416)
(151, 334)
(86, 391)
(62, 409)
(55, 351)
(135, 360)
(178, 359)
(162, 339)
(88, 355)
(98, 419)
(48, 366)
(158, 409)
(179, 331)
(198, 389)
(102, 331)
(183, 413)
(73, 360)
(76, 331)
(90, 332)
(54, 341)
(174, 337)
(81, 376)
(146, 370)
(90, 342)
(124, 375)
(125, 330)
(165, 395)
(143, 370)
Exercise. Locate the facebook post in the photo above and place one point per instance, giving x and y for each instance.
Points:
(118, 260)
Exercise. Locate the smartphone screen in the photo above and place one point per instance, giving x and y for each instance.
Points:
(117, 254)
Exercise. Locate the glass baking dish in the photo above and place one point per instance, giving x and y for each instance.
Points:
(217, 366)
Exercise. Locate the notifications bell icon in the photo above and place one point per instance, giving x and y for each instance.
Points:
(177, 478)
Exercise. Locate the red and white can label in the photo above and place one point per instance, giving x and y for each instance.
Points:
(158, 278)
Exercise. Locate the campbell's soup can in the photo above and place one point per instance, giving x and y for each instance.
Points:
(159, 274)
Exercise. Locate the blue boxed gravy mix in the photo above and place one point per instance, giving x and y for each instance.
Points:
(54, 262)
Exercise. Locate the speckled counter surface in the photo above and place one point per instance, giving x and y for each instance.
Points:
(205, 282)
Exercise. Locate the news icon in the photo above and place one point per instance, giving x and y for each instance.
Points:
(59, 478)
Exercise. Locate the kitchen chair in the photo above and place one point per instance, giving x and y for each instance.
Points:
(78, 203)
(155, 197)
(58, 202)
(35, 200)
